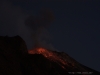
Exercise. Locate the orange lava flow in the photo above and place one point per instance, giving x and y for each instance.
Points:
(40, 51)
(48, 54)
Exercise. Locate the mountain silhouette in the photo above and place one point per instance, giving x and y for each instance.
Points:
(16, 59)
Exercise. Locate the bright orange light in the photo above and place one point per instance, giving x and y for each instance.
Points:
(50, 55)
(42, 51)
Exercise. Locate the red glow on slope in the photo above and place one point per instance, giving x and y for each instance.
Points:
(48, 54)
(40, 51)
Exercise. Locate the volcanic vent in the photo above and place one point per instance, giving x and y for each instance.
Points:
(60, 58)
(53, 56)
(65, 62)
(60, 62)
(15, 60)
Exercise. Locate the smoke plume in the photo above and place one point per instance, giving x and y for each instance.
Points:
(39, 24)
(16, 21)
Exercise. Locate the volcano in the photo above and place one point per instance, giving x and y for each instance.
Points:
(15, 59)
(64, 64)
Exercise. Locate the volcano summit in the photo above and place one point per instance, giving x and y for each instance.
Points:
(15, 59)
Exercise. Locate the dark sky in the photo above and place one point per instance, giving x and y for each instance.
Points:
(75, 30)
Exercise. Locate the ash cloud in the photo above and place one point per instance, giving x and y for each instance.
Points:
(39, 24)
(43, 19)
(33, 29)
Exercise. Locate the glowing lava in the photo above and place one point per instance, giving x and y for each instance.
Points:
(42, 51)
(49, 54)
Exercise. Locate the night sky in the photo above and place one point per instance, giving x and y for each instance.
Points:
(75, 29)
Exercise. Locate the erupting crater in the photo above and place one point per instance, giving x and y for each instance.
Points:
(51, 55)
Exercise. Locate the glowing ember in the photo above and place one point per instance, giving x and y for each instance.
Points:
(42, 51)
(49, 54)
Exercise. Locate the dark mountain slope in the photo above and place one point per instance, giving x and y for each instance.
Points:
(12, 50)
(16, 60)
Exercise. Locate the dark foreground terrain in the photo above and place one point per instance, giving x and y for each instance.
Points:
(15, 60)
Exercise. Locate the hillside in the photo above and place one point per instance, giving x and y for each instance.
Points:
(16, 59)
